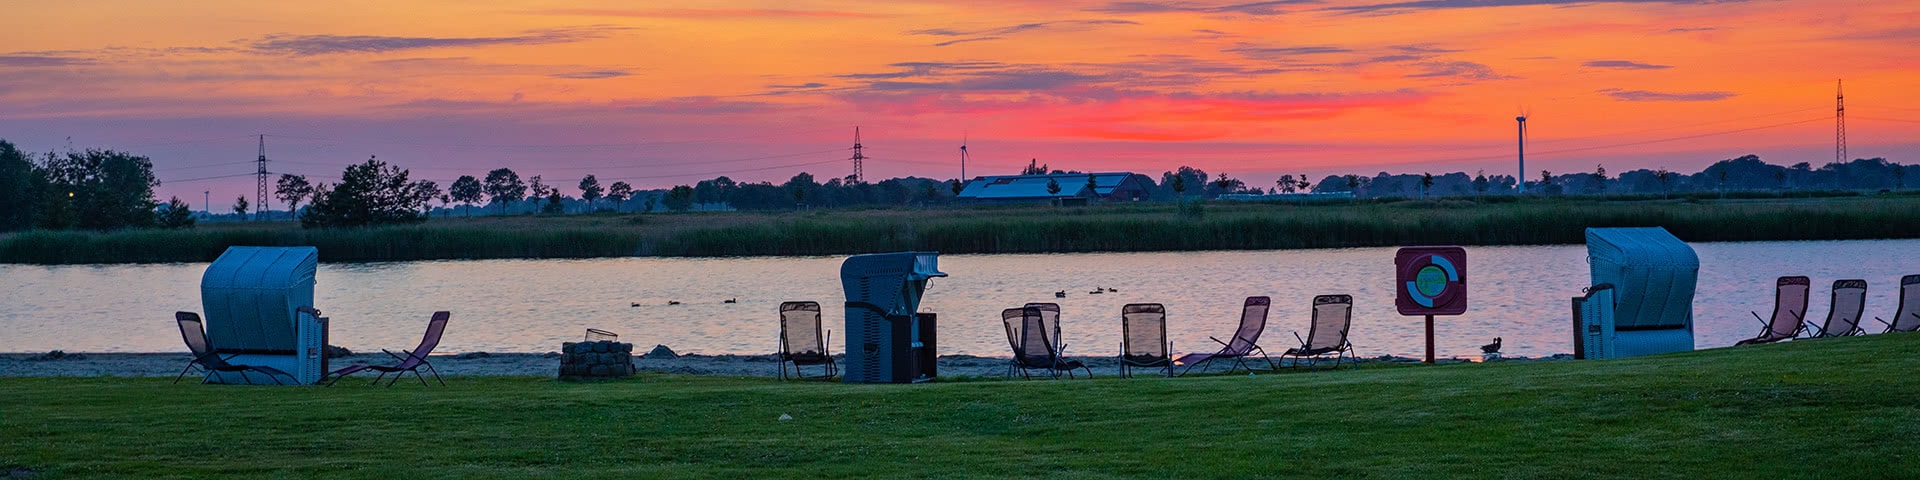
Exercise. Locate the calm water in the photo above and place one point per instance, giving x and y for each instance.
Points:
(1519, 293)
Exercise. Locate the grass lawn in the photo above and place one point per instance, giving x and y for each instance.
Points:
(1842, 408)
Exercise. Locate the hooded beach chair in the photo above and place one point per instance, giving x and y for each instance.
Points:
(1032, 349)
(1789, 312)
(1245, 342)
(1327, 335)
(1907, 317)
(204, 357)
(1843, 316)
(410, 363)
(1143, 338)
(802, 342)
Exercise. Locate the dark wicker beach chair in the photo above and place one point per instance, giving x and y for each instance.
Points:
(410, 363)
(1843, 316)
(1789, 312)
(1327, 335)
(1032, 349)
(209, 361)
(802, 342)
(1907, 317)
(1143, 339)
(1245, 342)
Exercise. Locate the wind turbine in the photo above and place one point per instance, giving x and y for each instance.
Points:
(963, 156)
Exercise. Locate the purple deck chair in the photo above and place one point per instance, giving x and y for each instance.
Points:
(1843, 314)
(195, 334)
(410, 363)
(1050, 321)
(1327, 335)
(1032, 348)
(1245, 342)
(1907, 317)
(802, 342)
(1143, 339)
(1789, 312)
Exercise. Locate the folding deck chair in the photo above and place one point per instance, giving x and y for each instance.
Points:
(204, 357)
(1253, 320)
(1032, 349)
(802, 342)
(1050, 321)
(1789, 312)
(1843, 314)
(1332, 317)
(410, 363)
(1143, 338)
(1907, 317)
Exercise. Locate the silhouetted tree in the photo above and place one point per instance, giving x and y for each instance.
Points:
(504, 187)
(590, 190)
(21, 185)
(680, 198)
(1426, 184)
(467, 191)
(424, 191)
(1053, 187)
(537, 190)
(175, 214)
(1034, 168)
(619, 192)
(292, 189)
(369, 193)
(240, 206)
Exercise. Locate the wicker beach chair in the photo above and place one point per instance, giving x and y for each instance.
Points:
(802, 342)
(1327, 335)
(1244, 344)
(1143, 339)
(1789, 312)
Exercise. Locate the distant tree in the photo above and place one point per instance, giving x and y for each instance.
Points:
(651, 201)
(1285, 184)
(1665, 178)
(21, 185)
(590, 190)
(555, 203)
(504, 186)
(1600, 177)
(680, 198)
(240, 206)
(369, 193)
(1179, 185)
(1304, 184)
(1353, 182)
(1426, 184)
(467, 191)
(1899, 177)
(1053, 187)
(957, 187)
(619, 192)
(292, 189)
(99, 189)
(175, 214)
(446, 202)
(1034, 168)
(1546, 179)
(1091, 187)
(1480, 183)
(537, 190)
(424, 191)
(1780, 178)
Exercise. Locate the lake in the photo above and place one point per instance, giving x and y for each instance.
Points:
(1519, 293)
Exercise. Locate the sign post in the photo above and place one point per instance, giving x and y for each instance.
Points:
(1430, 281)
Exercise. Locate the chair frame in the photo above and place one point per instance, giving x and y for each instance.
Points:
(1239, 360)
(1820, 331)
(1342, 351)
(416, 355)
(786, 356)
(1024, 363)
(210, 361)
(1128, 365)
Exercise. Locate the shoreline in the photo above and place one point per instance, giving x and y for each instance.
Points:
(482, 364)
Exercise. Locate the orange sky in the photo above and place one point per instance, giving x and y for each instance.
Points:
(660, 93)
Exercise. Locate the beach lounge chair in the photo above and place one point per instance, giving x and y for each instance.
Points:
(1843, 316)
(1245, 342)
(1907, 317)
(1327, 335)
(1143, 338)
(204, 357)
(410, 363)
(1032, 349)
(1050, 320)
(1789, 312)
(802, 342)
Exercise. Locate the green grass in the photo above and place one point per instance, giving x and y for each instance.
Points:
(1010, 229)
(1842, 408)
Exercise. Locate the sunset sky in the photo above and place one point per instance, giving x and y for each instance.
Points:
(663, 93)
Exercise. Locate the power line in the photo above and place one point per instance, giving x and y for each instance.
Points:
(555, 145)
(1885, 119)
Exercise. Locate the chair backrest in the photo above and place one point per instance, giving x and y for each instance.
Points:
(1789, 306)
(800, 329)
(1143, 330)
(195, 335)
(435, 327)
(1049, 319)
(1849, 302)
(1907, 317)
(1253, 320)
(1332, 316)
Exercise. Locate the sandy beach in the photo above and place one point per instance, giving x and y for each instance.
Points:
(530, 364)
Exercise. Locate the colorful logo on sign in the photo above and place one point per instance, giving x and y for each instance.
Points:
(1432, 280)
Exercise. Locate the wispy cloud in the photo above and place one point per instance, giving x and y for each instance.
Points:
(34, 60)
(965, 40)
(1458, 69)
(1650, 96)
(1283, 53)
(1690, 29)
(717, 13)
(802, 86)
(589, 75)
(998, 33)
(1254, 8)
(1418, 5)
(1624, 65)
(305, 45)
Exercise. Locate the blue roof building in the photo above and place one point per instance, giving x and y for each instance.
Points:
(1107, 186)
